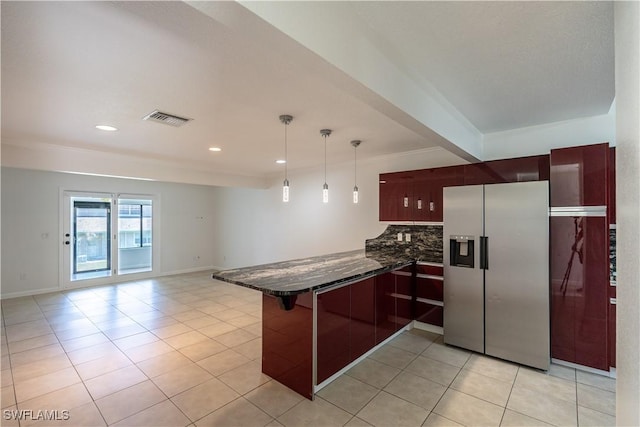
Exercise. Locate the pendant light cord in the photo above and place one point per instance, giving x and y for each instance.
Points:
(355, 166)
(285, 151)
(325, 158)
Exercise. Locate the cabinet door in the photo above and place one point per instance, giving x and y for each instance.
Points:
(579, 290)
(442, 177)
(363, 317)
(385, 306)
(611, 208)
(422, 190)
(333, 331)
(396, 196)
(521, 169)
(579, 176)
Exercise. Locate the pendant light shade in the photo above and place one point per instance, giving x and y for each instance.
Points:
(285, 119)
(355, 143)
(325, 188)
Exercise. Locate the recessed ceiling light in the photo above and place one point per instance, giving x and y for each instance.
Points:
(106, 127)
(281, 162)
(215, 149)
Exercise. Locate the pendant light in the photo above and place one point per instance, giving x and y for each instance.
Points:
(285, 119)
(325, 188)
(355, 144)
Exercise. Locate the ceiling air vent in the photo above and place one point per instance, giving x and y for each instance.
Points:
(166, 118)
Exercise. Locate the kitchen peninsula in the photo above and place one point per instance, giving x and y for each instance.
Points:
(321, 314)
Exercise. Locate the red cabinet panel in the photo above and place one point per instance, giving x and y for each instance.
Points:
(521, 169)
(579, 290)
(442, 177)
(287, 343)
(403, 296)
(434, 270)
(579, 176)
(396, 196)
(429, 289)
(333, 331)
(363, 317)
(429, 313)
(385, 306)
(611, 208)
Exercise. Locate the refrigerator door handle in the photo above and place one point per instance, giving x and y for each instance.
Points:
(484, 252)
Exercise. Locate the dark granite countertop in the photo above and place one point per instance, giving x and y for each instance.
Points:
(308, 274)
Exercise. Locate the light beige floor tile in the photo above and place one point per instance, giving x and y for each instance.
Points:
(515, 419)
(431, 369)
(255, 329)
(124, 403)
(83, 342)
(482, 387)
(189, 315)
(597, 399)
(227, 314)
(64, 399)
(40, 367)
(544, 383)
(357, 422)
(202, 350)
(77, 333)
(171, 330)
(435, 420)
(217, 329)
(31, 343)
(204, 398)
(93, 352)
(157, 322)
(148, 351)
(201, 322)
(235, 338)
(316, 412)
(136, 340)
(8, 396)
(542, 406)
(373, 373)
(37, 386)
(240, 412)
(591, 418)
(274, 398)
(124, 331)
(594, 380)
(86, 415)
(416, 389)
(251, 350)
(563, 372)
(348, 393)
(181, 379)
(186, 339)
(163, 363)
(490, 367)
(163, 414)
(223, 362)
(388, 410)
(243, 321)
(411, 342)
(393, 356)
(468, 410)
(114, 381)
(96, 367)
(27, 330)
(447, 354)
(6, 378)
(245, 378)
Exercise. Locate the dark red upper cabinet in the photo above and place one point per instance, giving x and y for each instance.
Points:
(532, 168)
(579, 176)
(396, 196)
(612, 186)
(422, 195)
(443, 177)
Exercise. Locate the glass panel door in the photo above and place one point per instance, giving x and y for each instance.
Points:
(91, 237)
(135, 235)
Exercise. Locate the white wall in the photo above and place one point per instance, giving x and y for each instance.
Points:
(203, 227)
(32, 239)
(255, 226)
(627, 45)
(542, 139)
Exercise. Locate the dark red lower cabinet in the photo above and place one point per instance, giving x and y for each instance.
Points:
(579, 290)
(363, 317)
(386, 324)
(334, 331)
(287, 343)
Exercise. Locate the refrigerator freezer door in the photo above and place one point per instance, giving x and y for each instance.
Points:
(517, 280)
(463, 287)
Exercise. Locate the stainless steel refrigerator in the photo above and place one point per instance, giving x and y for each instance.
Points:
(496, 270)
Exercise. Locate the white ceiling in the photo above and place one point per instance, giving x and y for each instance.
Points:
(68, 66)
